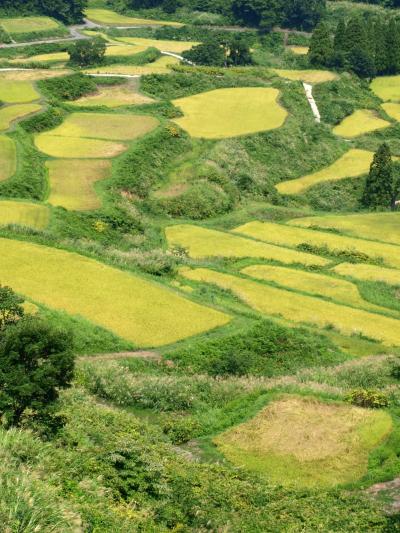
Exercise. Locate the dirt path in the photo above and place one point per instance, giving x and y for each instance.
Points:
(390, 491)
(153, 356)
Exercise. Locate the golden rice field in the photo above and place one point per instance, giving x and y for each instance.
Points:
(160, 66)
(75, 147)
(318, 284)
(299, 50)
(28, 24)
(202, 242)
(387, 88)
(24, 214)
(231, 112)
(176, 47)
(352, 164)
(111, 18)
(375, 226)
(115, 96)
(29, 75)
(10, 113)
(14, 91)
(111, 51)
(8, 157)
(369, 273)
(308, 76)
(299, 308)
(393, 110)
(145, 313)
(360, 122)
(304, 442)
(293, 236)
(72, 182)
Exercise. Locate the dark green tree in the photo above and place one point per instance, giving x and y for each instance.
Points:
(36, 361)
(208, 53)
(380, 188)
(321, 47)
(362, 64)
(264, 14)
(239, 53)
(339, 40)
(69, 11)
(380, 55)
(85, 52)
(356, 35)
(11, 309)
(392, 44)
(303, 14)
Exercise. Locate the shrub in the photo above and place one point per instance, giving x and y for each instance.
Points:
(181, 429)
(49, 119)
(69, 87)
(368, 398)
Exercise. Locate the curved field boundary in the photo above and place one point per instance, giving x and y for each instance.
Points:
(369, 273)
(138, 310)
(11, 113)
(392, 109)
(8, 157)
(360, 122)
(24, 214)
(387, 88)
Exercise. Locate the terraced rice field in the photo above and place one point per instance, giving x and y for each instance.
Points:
(111, 51)
(299, 308)
(24, 214)
(202, 242)
(360, 122)
(14, 91)
(308, 76)
(72, 182)
(176, 47)
(369, 273)
(27, 75)
(231, 112)
(304, 442)
(160, 66)
(28, 24)
(387, 88)
(111, 18)
(293, 236)
(115, 96)
(10, 113)
(299, 50)
(8, 158)
(393, 110)
(75, 147)
(383, 227)
(318, 284)
(142, 312)
(352, 164)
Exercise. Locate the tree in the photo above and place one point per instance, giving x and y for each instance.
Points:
(85, 52)
(239, 53)
(392, 46)
(321, 48)
(362, 64)
(380, 189)
(11, 309)
(380, 54)
(36, 361)
(303, 14)
(264, 14)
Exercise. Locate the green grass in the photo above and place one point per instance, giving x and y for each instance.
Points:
(11, 113)
(72, 182)
(304, 442)
(202, 242)
(24, 214)
(75, 147)
(231, 112)
(369, 273)
(387, 88)
(352, 164)
(360, 122)
(308, 76)
(299, 308)
(392, 109)
(111, 18)
(293, 236)
(375, 226)
(28, 24)
(8, 158)
(145, 313)
(17, 91)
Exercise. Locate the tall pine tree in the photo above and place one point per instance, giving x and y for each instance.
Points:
(392, 43)
(321, 46)
(380, 189)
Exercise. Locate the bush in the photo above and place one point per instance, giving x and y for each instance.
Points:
(368, 398)
(69, 87)
(49, 119)
(181, 429)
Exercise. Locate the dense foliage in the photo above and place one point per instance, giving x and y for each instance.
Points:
(69, 11)
(381, 186)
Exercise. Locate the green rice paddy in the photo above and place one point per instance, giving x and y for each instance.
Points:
(28, 24)
(24, 214)
(8, 157)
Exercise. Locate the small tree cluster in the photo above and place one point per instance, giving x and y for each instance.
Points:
(220, 53)
(382, 186)
(85, 52)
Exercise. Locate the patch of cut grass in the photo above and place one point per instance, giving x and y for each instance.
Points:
(145, 313)
(375, 226)
(308, 76)
(352, 164)
(160, 66)
(10, 113)
(360, 122)
(28, 24)
(299, 50)
(318, 284)
(71, 182)
(299, 308)
(8, 158)
(369, 273)
(304, 442)
(387, 88)
(113, 97)
(24, 214)
(176, 47)
(293, 236)
(231, 112)
(74, 147)
(111, 18)
(202, 242)
(393, 110)
(13, 91)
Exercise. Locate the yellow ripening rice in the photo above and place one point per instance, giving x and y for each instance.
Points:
(369, 273)
(299, 308)
(145, 313)
(308, 76)
(304, 442)
(387, 88)
(24, 214)
(114, 96)
(360, 122)
(17, 91)
(8, 158)
(336, 289)
(29, 75)
(393, 110)
(28, 24)
(299, 50)
(293, 236)
(107, 17)
(75, 147)
(176, 47)
(72, 182)
(201, 242)
(10, 113)
(375, 226)
(352, 164)
(160, 66)
(231, 112)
